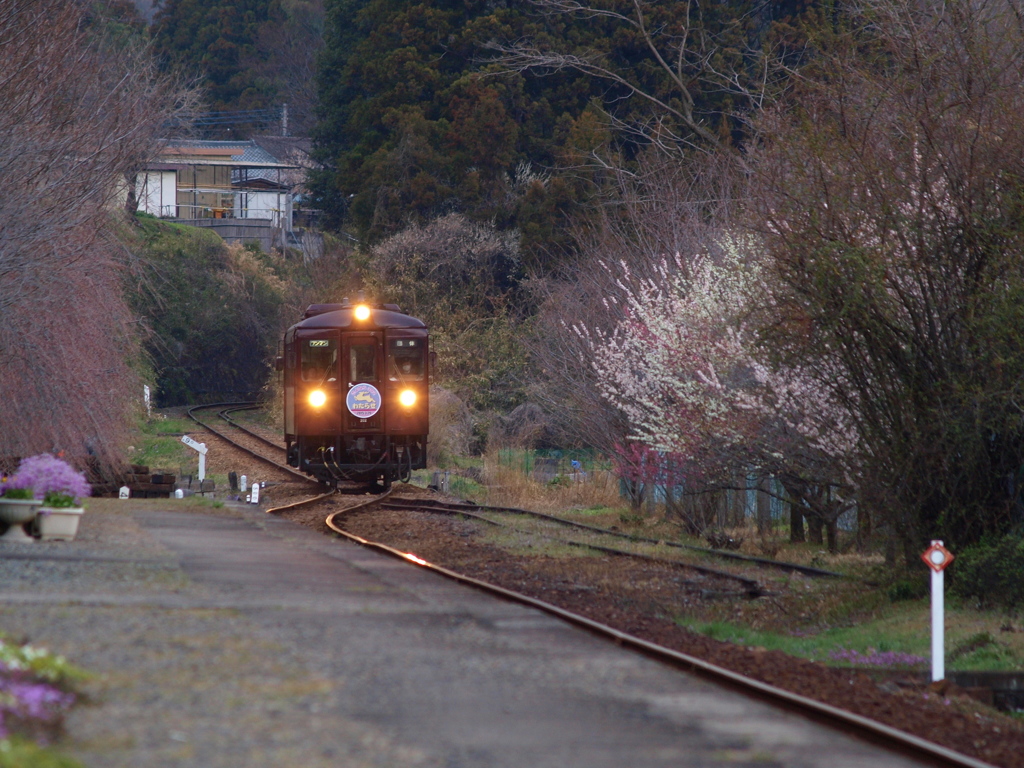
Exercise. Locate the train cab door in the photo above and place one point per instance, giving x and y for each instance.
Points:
(362, 367)
(288, 378)
(317, 389)
(407, 382)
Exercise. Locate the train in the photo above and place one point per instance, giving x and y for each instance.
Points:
(356, 393)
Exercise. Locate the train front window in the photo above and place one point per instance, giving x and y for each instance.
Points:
(319, 359)
(362, 362)
(405, 360)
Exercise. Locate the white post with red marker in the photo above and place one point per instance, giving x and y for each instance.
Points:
(937, 557)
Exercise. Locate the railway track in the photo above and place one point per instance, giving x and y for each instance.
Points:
(898, 741)
(642, 541)
(244, 439)
(750, 587)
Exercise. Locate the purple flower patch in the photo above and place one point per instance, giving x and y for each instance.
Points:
(51, 479)
(874, 658)
(31, 701)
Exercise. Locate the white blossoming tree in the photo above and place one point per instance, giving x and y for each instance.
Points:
(684, 368)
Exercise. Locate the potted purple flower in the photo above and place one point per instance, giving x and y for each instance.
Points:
(18, 505)
(61, 489)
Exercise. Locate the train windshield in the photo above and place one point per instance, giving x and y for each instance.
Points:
(319, 359)
(363, 362)
(405, 360)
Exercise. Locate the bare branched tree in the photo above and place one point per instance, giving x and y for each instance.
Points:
(82, 113)
(676, 85)
(888, 194)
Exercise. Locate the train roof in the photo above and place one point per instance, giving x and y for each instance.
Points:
(323, 316)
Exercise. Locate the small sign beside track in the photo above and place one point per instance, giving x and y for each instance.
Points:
(201, 447)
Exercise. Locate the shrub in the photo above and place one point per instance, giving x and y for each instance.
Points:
(213, 311)
(908, 589)
(451, 427)
(991, 572)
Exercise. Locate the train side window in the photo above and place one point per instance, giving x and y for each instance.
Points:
(319, 359)
(362, 362)
(405, 360)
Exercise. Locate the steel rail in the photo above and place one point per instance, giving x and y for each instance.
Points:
(807, 570)
(253, 406)
(354, 508)
(871, 730)
(751, 586)
(254, 454)
(301, 503)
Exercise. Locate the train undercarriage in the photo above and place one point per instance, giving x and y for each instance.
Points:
(367, 458)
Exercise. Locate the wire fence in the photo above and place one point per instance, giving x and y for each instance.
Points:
(751, 497)
(547, 464)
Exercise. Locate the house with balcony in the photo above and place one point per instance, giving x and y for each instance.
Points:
(240, 189)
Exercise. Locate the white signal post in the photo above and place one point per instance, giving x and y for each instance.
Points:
(201, 448)
(937, 557)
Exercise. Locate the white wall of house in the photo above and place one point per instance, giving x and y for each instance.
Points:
(275, 206)
(157, 193)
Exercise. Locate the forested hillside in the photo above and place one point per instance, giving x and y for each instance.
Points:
(431, 108)
(250, 57)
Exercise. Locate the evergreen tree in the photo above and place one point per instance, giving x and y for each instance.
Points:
(415, 124)
(213, 40)
(427, 108)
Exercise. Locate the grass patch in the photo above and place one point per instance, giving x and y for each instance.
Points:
(465, 488)
(421, 478)
(19, 753)
(156, 451)
(507, 486)
(203, 502)
(894, 636)
(596, 510)
(528, 544)
(161, 424)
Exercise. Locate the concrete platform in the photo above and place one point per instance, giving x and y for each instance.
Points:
(227, 638)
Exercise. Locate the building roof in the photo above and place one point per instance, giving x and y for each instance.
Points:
(236, 154)
(293, 150)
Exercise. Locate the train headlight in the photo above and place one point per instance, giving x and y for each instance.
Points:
(317, 398)
(407, 398)
(362, 312)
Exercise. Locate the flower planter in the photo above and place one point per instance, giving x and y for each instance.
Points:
(17, 512)
(58, 523)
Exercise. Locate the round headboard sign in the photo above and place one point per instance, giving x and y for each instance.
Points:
(363, 401)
